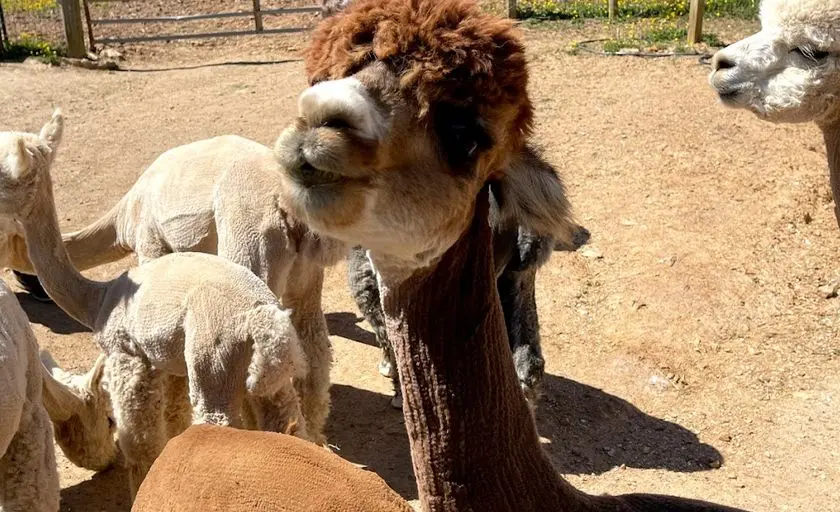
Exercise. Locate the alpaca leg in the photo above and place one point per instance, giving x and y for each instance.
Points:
(28, 474)
(303, 297)
(517, 294)
(365, 291)
(137, 396)
(215, 399)
(177, 411)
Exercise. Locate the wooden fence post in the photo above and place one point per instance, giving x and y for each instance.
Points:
(73, 29)
(695, 21)
(258, 16)
(511, 8)
(91, 38)
(3, 35)
(613, 9)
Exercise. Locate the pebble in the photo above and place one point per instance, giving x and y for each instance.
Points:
(591, 253)
(829, 291)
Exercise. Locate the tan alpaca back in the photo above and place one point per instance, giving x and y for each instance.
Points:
(216, 468)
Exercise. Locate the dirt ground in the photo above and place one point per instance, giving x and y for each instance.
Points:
(689, 351)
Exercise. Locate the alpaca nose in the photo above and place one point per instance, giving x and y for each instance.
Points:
(341, 104)
(722, 61)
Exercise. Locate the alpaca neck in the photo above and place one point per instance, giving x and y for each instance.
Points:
(94, 245)
(831, 134)
(474, 444)
(76, 295)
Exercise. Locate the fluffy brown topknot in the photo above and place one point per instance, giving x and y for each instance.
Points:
(445, 51)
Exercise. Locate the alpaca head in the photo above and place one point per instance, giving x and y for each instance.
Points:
(414, 104)
(790, 70)
(25, 159)
(80, 409)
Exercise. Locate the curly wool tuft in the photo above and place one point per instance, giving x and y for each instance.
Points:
(446, 52)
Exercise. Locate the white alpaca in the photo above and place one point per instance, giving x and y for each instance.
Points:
(789, 72)
(182, 316)
(28, 475)
(218, 196)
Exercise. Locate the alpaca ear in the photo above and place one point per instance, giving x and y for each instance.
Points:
(19, 160)
(532, 193)
(59, 399)
(93, 379)
(52, 131)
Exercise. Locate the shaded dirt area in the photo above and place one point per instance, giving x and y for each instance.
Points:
(689, 351)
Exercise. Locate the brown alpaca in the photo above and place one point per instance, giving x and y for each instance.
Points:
(419, 104)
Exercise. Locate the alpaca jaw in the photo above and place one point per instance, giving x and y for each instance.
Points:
(788, 72)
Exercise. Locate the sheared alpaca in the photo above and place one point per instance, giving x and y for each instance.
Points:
(186, 316)
(28, 474)
(190, 199)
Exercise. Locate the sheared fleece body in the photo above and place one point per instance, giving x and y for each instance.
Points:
(28, 474)
(272, 472)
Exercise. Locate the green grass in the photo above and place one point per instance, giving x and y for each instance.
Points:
(651, 35)
(29, 5)
(30, 46)
(668, 9)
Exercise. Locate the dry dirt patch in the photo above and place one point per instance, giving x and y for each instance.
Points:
(697, 339)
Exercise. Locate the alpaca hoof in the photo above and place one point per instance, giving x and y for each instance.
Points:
(397, 401)
(385, 367)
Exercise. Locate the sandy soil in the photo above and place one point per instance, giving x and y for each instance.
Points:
(688, 349)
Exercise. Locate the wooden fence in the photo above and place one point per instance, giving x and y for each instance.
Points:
(75, 39)
(73, 27)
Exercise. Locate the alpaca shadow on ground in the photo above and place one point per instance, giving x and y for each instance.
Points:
(366, 430)
(346, 326)
(104, 492)
(589, 431)
(592, 432)
(49, 315)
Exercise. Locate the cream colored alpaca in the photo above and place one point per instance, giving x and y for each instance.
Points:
(218, 196)
(190, 315)
(80, 409)
(28, 475)
(789, 72)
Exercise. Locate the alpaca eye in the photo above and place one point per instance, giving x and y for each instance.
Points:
(819, 55)
(811, 54)
(336, 123)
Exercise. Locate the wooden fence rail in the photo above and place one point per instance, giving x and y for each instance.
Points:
(73, 27)
(257, 13)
